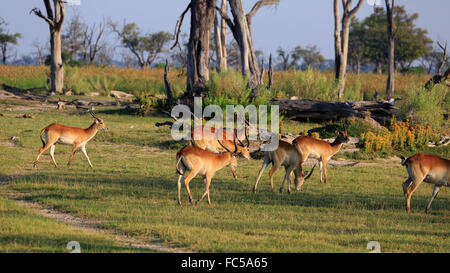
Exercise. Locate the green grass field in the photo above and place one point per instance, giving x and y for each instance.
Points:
(132, 191)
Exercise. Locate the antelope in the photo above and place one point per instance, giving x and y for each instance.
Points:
(60, 134)
(320, 149)
(428, 168)
(216, 146)
(202, 162)
(288, 156)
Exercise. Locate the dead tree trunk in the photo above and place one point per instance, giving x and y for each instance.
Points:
(220, 36)
(439, 77)
(270, 73)
(341, 38)
(241, 28)
(167, 83)
(390, 36)
(55, 18)
(202, 20)
(312, 110)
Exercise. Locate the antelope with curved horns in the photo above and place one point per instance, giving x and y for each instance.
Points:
(309, 146)
(427, 168)
(202, 162)
(60, 134)
(207, 142)
(288, 156)
(215, 145)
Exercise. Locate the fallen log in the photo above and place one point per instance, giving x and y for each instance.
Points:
(320, 111)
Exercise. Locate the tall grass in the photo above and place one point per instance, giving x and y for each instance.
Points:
(231, 88)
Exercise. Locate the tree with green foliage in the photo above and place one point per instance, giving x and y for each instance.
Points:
(356, 42)
(310, 56)
(411, 41)
(6, 39)
(145, 47)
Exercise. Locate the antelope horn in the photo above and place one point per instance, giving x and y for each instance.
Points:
(221, 144)
(246, 124)
(92, 112)
(236, 136)
(246, 137)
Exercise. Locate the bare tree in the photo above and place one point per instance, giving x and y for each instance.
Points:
(72, 36)
(202, 20)
(220, 36)
(270, 73)
(233, 57)
(55, 18)
(284, 56)
(104, 54)
(92, 41)
(241, 28)
(391, 61)
(444, 57)
(341, 38)
(40, 51)
(440, 77)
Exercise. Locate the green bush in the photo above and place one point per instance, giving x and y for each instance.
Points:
(426, 107)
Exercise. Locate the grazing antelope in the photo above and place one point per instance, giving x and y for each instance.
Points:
(217, 146)
(288, 156)
(202, 162)
(308, 146)
(60, 134)
(428, 168)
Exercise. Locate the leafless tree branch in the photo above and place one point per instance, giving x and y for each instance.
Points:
(178, 26)
(38, 13)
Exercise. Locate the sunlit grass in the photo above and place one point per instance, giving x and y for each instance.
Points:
(132, 189)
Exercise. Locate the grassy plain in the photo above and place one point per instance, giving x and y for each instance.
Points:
(132, 191)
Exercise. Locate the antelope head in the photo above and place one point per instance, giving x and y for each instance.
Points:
(100, 123)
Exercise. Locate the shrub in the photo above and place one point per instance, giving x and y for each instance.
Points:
(401, 136)
(426, 107)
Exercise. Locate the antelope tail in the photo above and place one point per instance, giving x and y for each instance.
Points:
(181, 168)
(403, 160)
(310, 172)
(42, 132)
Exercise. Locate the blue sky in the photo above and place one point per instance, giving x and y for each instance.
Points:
(291, 23)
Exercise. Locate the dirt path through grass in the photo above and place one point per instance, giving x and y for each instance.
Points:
(91, 224)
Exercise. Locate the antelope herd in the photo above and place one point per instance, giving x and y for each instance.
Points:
(206, 155)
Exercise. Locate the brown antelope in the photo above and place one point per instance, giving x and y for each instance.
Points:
(215, 145)
(60, 134)
(288, 156)
(202, 162)
(308, 146)
(428, 168)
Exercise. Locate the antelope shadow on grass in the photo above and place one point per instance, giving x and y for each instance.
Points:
(222, 191)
